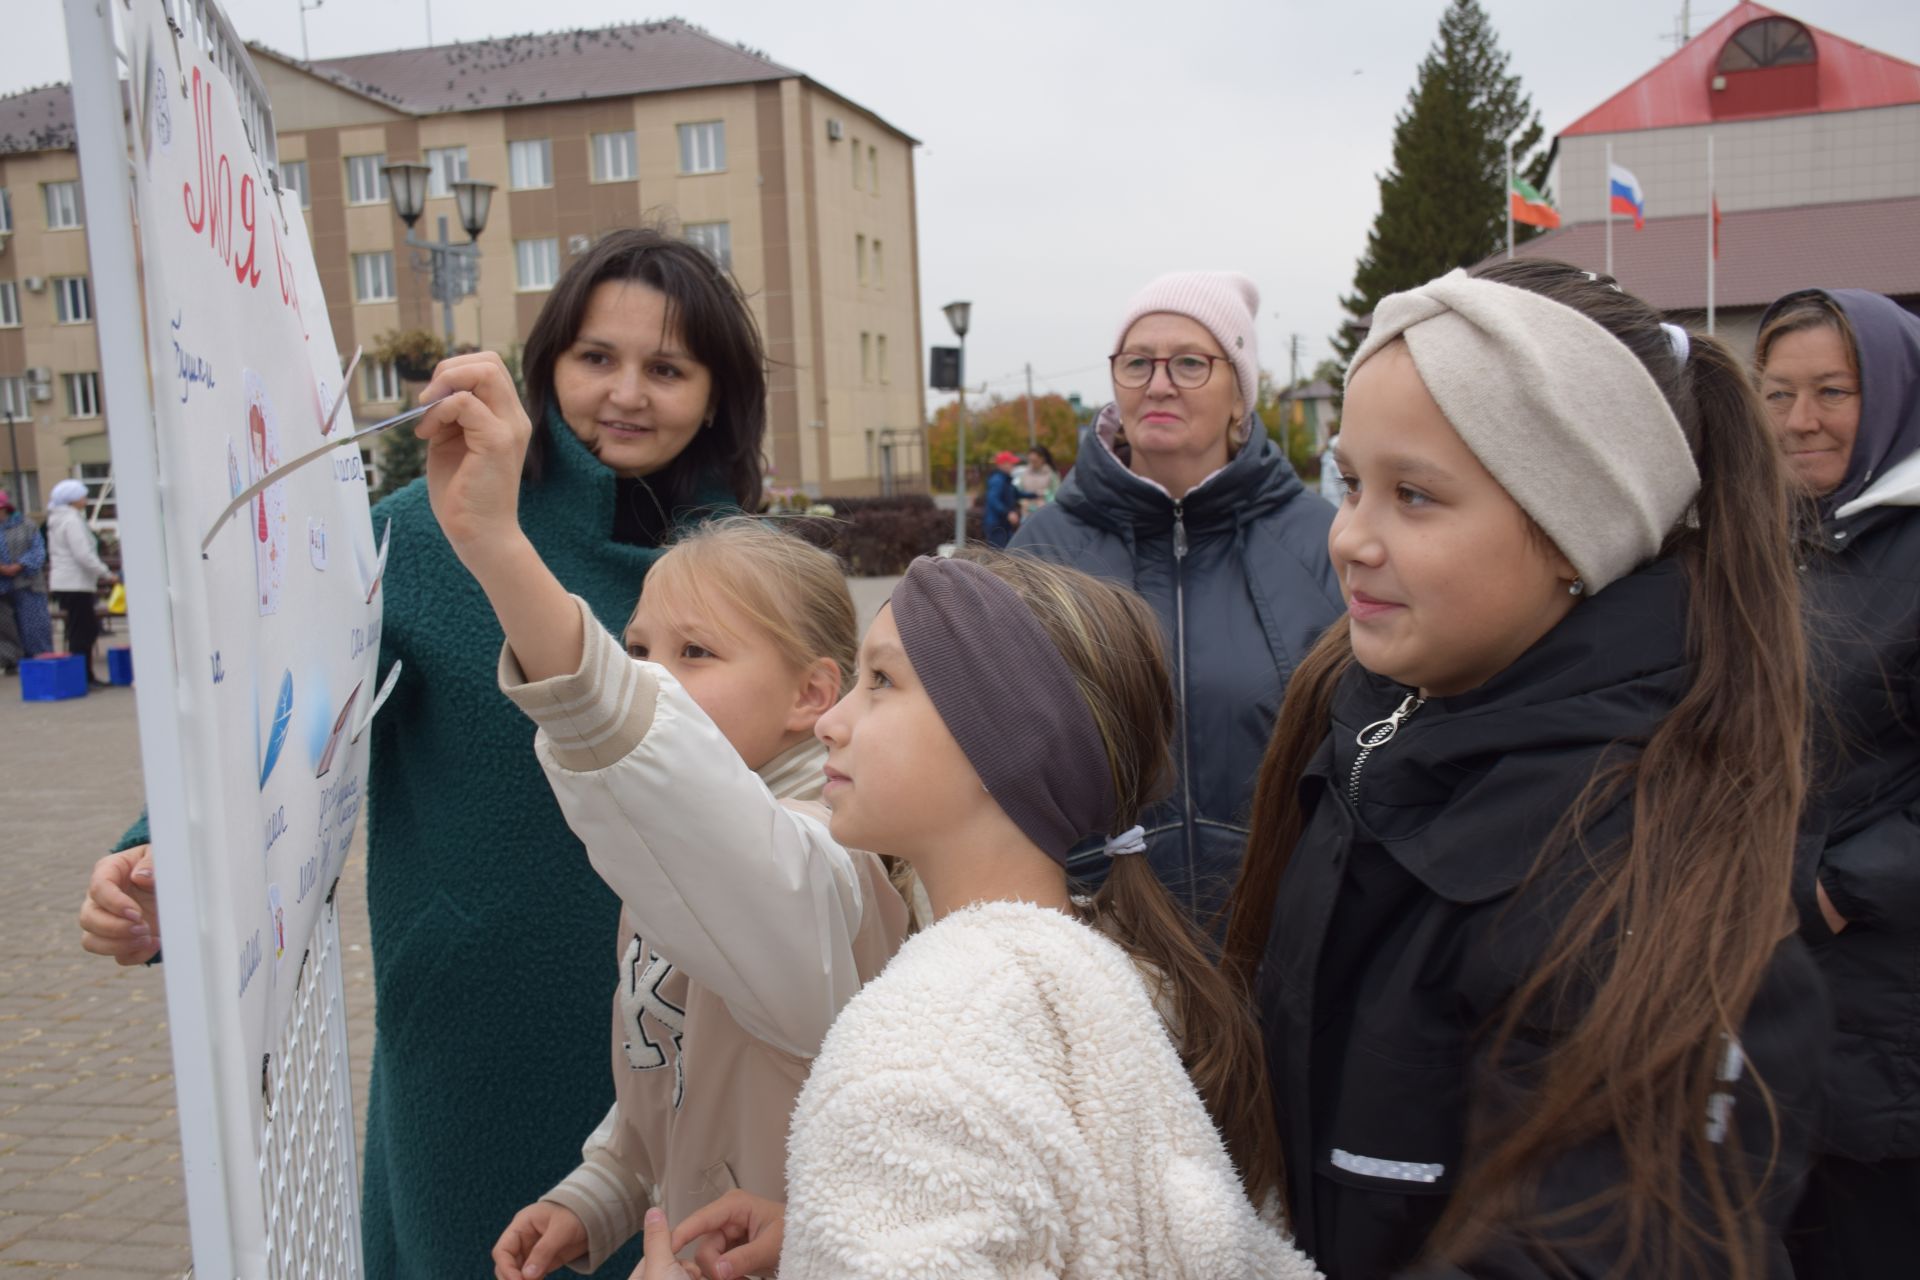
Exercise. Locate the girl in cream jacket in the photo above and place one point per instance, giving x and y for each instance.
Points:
(685, 762)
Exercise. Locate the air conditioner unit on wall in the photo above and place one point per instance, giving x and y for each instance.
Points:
(835, 130)
(41, 392)
(40, 375)
(578, 244)
(34, 283)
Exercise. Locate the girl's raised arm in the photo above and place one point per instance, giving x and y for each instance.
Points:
(476, 445)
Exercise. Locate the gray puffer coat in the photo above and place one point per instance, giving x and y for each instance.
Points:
(1238, 573)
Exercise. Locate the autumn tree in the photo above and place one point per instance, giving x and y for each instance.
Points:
(1001, 424)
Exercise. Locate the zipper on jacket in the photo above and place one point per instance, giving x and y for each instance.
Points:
(1377, 735)
(1180, 661)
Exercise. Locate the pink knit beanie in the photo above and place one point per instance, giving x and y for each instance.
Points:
(1223, 302)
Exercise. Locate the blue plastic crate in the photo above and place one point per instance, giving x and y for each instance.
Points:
(120, 665)
(53, 677)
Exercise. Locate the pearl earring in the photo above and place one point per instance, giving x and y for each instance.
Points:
(1577, 587)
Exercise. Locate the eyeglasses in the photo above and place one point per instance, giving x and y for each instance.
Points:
(1187, 370)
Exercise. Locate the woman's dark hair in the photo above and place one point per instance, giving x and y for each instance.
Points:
(707, 309)
(1701, 886)
(1046, 456)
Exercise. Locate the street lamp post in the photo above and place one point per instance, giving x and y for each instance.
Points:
(13, 447)
(454, 266)
(958, 315)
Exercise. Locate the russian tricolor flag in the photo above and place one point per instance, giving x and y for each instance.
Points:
(1623, 195)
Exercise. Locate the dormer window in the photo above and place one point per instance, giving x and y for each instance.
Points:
(1767, 42)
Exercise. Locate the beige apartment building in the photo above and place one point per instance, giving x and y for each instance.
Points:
(805, 196)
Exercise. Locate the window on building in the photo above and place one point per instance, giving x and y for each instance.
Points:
(382, 381)
(98, 477)
(72, 300)
(13, 401)
(536, 263)
(446, 166)
(716, 238)
(366, 179)
(614, 157)
(1769, 42)
(530, 164)
(6, 210)
(83, 394)
(63, 205)
(9, 305)
(866, 357)
(880, 356)
(293, 180)
(703, 147)
(373, 277)
(860, 257)
(856, 164)
(873, 169)
(879, 267)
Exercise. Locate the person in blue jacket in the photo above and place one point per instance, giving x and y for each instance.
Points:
(1003, 499)
(1207, 521)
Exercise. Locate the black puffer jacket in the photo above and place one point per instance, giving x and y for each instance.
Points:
(1863, 596)
(1238, 573)
(1402, 928)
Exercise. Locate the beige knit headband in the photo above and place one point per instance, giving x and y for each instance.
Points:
(1561, 413)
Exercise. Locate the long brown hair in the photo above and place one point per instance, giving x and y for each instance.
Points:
(1111, 642)
(1701, 886)
(707, 309)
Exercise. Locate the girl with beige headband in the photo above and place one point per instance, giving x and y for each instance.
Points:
(1031, 1088)
(1516, 904)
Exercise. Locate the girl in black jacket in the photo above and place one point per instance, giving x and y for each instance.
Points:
(1517, 895)
(1840, 377)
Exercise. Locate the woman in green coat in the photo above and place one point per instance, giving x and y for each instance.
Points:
(647, 376)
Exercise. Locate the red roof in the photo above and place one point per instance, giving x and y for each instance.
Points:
(1764, 253)
(1851, 77)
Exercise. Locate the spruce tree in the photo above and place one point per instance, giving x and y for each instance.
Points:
(1443, 201)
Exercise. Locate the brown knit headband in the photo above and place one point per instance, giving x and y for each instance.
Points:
(1008, 698)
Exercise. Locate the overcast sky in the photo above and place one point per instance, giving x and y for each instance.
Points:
(1073, 150)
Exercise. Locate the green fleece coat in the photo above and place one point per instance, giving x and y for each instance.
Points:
(489, 925)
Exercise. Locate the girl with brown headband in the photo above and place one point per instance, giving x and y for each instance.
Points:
(1516, 903)
(1032, 1085)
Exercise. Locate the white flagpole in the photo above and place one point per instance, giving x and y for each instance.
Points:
(1710, 233)
(1606, 204)
(1509, 199)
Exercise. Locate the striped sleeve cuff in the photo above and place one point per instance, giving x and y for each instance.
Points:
(595, 716)
(609, 1201)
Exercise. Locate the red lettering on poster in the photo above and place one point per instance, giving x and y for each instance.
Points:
(208, 198)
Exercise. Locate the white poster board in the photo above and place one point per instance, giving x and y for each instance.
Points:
(255, 636)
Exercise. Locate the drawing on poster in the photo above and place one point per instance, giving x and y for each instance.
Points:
(277, 730)
(269, 514)
(339, 730)
(317, 542)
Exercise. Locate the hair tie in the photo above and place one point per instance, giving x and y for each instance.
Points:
(1677, 339)
(1132, 840)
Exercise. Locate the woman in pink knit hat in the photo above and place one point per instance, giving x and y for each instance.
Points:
(1201, 514)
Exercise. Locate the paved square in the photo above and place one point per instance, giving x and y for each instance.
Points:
(90, 1183)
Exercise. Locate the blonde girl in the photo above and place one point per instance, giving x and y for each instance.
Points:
(685, 761)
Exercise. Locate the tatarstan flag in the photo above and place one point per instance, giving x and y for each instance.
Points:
(1529, 206)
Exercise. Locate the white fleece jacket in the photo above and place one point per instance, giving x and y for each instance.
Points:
(1003, 1101)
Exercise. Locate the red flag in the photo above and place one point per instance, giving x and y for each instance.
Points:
(1716, 226)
